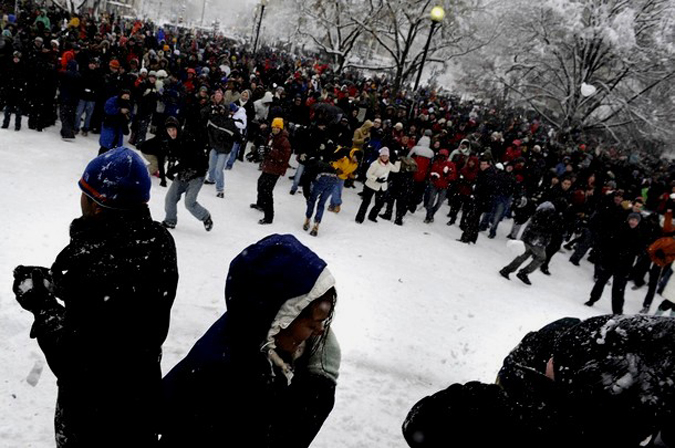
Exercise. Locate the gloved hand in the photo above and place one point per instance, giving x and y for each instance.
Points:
(303, 157)
(434, 174)
(381, 180)
(33, 287)
(659, 253)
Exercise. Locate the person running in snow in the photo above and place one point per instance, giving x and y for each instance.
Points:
(265, 373)
(536, 237)
(274, 165)
(617, 255)
(596, 383)
(376, 185)
(443, 173)
(326, 178)
(187, 168)
(116, 282)
(344, 167)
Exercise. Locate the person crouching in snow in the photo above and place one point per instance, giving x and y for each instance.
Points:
(376, 185)
(536, 237)
(265, 373)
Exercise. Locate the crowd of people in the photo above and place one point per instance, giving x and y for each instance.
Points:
(195, 105)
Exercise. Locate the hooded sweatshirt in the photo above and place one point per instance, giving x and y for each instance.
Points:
(232, 389)
(422, 154)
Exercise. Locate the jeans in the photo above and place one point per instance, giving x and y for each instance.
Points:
(87, 108)
(191, 189)
(142, 124)
(266, 184)
(583, 245)
(298, 176)
(9, 110)
(538, 257)
(233, 155)
(500, 205)
(322, 188)
(433, 199)
(336, 197)
(216, 169)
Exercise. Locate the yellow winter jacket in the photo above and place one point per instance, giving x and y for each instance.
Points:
(345, 166)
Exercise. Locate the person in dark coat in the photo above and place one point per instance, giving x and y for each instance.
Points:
(13, 90)
(274, 165)
(89, 87)
(69, 89)
(265, 373)
(616, 258)
(187, 167)
(596, 383)
(42, 84)
(481, 202)
(117, 113)
(536, 237)
(157, 149)
(400, 192)
(147, 95)
(117, 281)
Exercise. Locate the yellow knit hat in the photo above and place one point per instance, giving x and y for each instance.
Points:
(278, 123)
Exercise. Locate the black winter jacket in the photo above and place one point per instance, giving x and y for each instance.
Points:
(117, 279)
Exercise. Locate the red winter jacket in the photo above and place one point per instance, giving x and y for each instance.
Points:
(440, 176)
(468, 177)
(276, 161)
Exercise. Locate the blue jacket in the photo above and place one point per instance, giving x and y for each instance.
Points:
(114, 125)
(226, 391)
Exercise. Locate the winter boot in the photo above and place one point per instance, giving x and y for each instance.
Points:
(166, 225)
(208, 223)
(504, 273)
(315, 229)
(220, 195)
(398, 222)
(305, 226)
(386, 215)
(545, 270)
(523, 278)
(644, 310)
(337, 209)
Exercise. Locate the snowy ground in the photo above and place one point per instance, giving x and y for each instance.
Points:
(416, 312)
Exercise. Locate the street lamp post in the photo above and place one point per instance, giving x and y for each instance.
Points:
(263, 3)
(437, 15)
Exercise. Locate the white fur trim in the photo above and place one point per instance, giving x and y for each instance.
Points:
(287, 314)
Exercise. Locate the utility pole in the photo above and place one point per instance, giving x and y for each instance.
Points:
(263, 3)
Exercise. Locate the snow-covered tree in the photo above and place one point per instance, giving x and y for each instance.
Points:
(583, 65)
(401, 28)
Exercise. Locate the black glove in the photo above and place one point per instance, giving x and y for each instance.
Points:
(381, 180)
(33, 287)
(659, 253)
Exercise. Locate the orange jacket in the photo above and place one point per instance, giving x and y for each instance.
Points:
(667, 245)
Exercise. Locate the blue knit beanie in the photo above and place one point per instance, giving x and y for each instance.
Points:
(117, 179)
